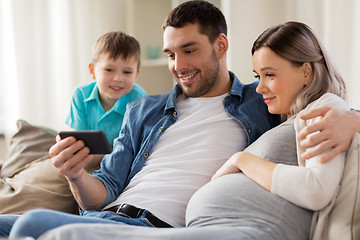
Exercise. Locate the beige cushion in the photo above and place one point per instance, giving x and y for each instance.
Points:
(27, 144)
(38, 185)
(341, 218)
(28, 178)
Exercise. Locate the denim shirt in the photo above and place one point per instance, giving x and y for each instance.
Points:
(147, 118)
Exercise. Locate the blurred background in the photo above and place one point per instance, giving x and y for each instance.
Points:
(45, 46)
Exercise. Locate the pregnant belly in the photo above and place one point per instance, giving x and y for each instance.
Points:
(235, 200)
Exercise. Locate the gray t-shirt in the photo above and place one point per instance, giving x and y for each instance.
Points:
(235, 200)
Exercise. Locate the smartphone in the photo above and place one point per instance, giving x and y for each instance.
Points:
(94, 139)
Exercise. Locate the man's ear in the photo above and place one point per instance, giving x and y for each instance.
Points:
(222, 45)
(92, 70)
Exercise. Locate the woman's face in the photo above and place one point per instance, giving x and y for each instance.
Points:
(280, 81)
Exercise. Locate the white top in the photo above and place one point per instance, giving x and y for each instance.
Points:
(185, 158)
(313, 184)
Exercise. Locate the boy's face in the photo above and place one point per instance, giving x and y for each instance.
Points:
(192, 60)
(115, 78)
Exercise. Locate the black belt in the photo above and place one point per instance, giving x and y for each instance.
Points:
(130, 211)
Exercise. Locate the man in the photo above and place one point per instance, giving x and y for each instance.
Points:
(170, 145)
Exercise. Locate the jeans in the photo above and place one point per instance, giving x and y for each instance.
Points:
(36, 222)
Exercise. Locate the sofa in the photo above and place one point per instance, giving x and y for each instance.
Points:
(29, 180)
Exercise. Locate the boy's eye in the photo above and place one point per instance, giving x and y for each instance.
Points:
(171, 56)
(257, 76)
(270, 75)
(189, 51)
(127, 72)
(109, 69)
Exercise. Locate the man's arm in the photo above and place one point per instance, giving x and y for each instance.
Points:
(71, 157)
(335, 130)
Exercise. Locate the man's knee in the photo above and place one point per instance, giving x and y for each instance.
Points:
(32, 223)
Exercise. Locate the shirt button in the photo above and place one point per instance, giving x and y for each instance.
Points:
(161, 128)
(146, 154)
(174, 113)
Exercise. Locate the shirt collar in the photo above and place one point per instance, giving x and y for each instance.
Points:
(236, 89)
(171, 101)
(237, 86)
(94, 95)
(119, 105)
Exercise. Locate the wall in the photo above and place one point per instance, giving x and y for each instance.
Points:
(246, 20)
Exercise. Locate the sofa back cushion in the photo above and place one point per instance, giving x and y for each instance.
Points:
(341, 218)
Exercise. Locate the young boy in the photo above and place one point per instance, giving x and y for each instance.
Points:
(101, 105)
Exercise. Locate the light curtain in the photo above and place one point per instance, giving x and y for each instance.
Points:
(45, 49)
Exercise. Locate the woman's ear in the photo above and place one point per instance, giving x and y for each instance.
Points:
(307, 68)
(92, 70)
(222, 45)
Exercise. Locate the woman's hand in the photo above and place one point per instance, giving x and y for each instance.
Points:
(257, 169)
(229, 166)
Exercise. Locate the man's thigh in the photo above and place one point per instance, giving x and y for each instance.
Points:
(36, 222)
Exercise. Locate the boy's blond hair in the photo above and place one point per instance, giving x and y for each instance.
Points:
(117, 44)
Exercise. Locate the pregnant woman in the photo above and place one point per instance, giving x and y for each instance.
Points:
(273, 191)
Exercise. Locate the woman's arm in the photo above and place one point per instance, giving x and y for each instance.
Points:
(311, 187)
(314, 184)
(257, 169)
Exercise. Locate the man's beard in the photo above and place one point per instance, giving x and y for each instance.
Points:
(207, 81)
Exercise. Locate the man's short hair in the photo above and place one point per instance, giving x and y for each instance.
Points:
(210, 19)
(117, 44)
